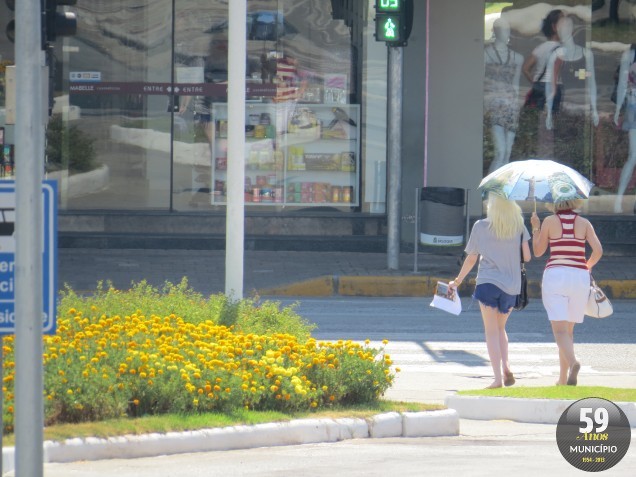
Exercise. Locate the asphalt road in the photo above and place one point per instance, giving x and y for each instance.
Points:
(398, 319)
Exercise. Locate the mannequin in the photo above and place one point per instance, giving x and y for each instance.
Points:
(503, 70)
(570, 65)
(626, 90)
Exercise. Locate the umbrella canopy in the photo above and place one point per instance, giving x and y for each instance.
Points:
(540, 180)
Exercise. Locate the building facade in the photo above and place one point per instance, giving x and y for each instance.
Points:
(138, 136)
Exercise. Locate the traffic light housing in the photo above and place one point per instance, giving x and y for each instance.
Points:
(10, 28)
(393, 21)
(54, 23)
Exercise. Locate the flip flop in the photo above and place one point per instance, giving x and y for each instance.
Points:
(509, 379)
(574, 372)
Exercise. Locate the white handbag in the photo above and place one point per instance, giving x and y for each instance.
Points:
(598, 305)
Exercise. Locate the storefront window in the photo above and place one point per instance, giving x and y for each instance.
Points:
(302, 115)
(140, 115)
(550, 75)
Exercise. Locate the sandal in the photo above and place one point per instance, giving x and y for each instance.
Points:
(509, 379)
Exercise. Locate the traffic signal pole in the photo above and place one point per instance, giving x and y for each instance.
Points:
(393, 23)
(394, 155)
(29, 151)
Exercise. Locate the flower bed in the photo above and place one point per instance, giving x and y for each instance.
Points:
(199, 355)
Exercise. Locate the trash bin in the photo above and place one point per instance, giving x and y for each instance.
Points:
(441, 216)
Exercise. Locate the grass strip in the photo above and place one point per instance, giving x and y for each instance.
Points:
(179, 423)
(557, 392)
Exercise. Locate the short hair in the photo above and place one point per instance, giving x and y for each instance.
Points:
(571, 204)
(548, 27)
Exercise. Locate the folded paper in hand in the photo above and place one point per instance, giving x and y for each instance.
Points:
(447, 299)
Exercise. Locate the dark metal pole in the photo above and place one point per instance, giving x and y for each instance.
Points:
(416, 243)
(394, 160)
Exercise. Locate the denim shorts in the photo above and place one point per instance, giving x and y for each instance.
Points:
(492, 296)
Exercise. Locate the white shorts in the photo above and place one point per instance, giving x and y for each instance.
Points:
(564, 292)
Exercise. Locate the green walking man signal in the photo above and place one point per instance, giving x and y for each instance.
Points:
(393, 21)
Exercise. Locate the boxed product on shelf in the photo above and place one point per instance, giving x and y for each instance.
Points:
(321, 192)
(318, 161)
(293, 198)
(296, 159)
(301, 120)
(221, 128)
(348, 161)
(263, 157)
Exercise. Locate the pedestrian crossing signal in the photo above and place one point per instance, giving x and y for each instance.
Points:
(393, 21)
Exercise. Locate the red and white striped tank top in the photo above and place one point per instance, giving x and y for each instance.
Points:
(567, 251)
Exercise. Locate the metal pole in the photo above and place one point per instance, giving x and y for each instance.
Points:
(467, 211)
(29, 150)
(235, 216)
(394, 162)
(416, 244)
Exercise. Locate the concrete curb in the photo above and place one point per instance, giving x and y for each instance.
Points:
(301, 431)
(538, 411)
(414, 286)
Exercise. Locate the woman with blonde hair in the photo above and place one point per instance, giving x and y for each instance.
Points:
(566, 278)
(497, 241)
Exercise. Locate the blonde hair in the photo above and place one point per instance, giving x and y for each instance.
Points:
(505, 217)
(571, 204)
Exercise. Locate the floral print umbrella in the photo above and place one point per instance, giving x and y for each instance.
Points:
(540, 180)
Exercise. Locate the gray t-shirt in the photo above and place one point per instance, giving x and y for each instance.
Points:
(499, 259)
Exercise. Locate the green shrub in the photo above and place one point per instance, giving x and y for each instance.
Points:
(68, 147)
(153, 351)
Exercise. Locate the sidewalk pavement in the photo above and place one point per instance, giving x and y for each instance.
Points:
(320, 274)
(270, 273)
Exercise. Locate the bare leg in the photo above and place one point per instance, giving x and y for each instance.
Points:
(564, 337)
(494, 323)
(626, 173)
(510, 140)
(564, 368)
(499, 140)
(503, 341)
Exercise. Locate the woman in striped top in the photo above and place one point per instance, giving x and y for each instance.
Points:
(566, 279)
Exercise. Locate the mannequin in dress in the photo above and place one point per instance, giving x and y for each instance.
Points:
(570, 65)
(503, 70)
(626, 92)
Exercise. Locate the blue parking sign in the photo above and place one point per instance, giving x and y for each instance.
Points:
(7, 257)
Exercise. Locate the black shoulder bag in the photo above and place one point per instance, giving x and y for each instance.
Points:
(522, 297)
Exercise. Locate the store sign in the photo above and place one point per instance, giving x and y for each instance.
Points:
(7, 257)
